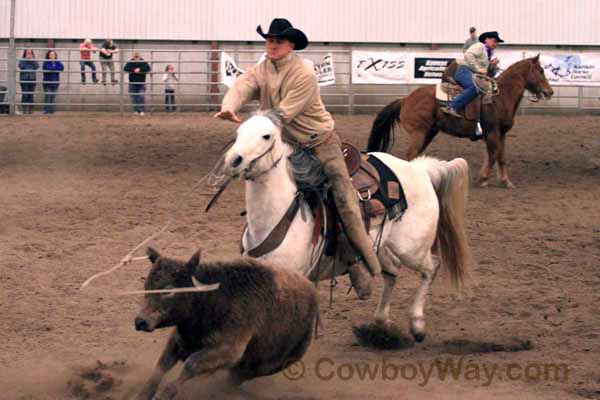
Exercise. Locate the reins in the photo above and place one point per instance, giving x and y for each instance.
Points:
(252, 163)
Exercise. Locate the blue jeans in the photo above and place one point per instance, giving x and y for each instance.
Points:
(137, 91)
(27, 92)
(50, 98)
(170, 100)
(92, 66)
(464, 77)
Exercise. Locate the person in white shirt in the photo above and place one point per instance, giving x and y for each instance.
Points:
(170, 79)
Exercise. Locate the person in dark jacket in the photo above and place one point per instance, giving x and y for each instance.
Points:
(137, 68)
(52, 68)
(27, 79)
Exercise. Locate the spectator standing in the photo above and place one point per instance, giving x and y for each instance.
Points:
(107, 51)
(137, 69)
(170, 79)
(27, 79)
(471, 40)
(85, 51)
(52, 69)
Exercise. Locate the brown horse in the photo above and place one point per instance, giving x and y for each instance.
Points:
(420, 116)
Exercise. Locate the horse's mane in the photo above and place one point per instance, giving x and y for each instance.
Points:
(304, 167)
(307, 171)
(274, 115)
(514, 69)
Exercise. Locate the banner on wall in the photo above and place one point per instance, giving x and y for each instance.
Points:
(428, 68)
(507, 58)
(323, 69)
(572, 69)
(381, 67)
(229, 71)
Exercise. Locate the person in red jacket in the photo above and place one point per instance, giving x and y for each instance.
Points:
(85, 51)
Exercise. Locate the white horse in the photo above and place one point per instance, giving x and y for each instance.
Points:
(435, 192)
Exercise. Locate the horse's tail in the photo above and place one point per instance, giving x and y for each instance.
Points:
(451, 182)
(382, 133)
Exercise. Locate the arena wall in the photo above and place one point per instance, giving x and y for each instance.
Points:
(533, 22)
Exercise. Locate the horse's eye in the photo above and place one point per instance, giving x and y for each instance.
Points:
(266, 137)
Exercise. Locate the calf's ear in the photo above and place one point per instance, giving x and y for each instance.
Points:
(153, 255)
(194, 261)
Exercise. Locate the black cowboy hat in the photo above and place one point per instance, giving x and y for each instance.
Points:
(492, 34)
(282, 28)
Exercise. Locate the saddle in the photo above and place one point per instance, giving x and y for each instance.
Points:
(376, 186)
(446, 90)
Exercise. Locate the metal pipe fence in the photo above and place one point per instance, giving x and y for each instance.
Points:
(199, 87)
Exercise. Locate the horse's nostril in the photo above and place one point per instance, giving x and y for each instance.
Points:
(236, 161)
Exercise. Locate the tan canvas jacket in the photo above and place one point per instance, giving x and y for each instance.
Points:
(291, 85)
(475, 57)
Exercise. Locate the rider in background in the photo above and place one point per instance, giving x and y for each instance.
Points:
(284, 81)
(477, 59)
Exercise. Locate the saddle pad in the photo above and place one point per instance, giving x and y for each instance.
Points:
(440, 95)
(390, 192)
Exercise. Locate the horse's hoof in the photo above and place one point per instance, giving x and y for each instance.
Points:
(383, 337)
(419, 337)
(417, 329)
(484, 183)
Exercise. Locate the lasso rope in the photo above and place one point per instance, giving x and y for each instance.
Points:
(214, 178)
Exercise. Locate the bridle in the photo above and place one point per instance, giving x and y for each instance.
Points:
(244, 172)
(539, 93)
(252, 163)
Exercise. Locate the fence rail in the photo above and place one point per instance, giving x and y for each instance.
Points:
(199, 87)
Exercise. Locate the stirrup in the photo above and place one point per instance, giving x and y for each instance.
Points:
(451, 111)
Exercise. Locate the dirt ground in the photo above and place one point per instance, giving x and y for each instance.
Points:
(79, 191)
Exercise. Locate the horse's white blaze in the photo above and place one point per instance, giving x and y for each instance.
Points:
(406, 241)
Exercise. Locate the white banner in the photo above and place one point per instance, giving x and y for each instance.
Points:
(507, 58)
(571, 69)
(229, 71)
(381, 67)
(415, 68)
(323, 69)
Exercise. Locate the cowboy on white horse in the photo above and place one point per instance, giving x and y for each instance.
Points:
(285, 82)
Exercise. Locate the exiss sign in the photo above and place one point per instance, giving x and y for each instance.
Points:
(430, 68)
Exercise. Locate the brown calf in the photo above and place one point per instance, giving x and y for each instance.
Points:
(258, 321)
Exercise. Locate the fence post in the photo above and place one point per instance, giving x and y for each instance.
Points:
(68, 70)
(215, 56)
(151, 81)
(177, 108)
(12, 63)
(579, 100)
(121, 81)
(350, 84)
